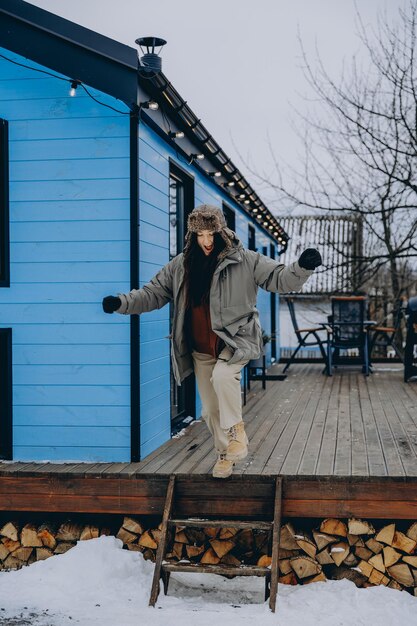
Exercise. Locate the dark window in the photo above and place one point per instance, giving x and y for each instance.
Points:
(181, 203)
(4, 205)
(251, 237)
(273, 312)
(230, 216)
(6, 394)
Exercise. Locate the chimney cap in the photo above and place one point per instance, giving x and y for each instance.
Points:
(150, 42)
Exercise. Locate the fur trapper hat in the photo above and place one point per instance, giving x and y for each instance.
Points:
(209, 217)
(206, 217)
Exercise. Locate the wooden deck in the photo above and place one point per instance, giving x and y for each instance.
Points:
(313, 425)
(345, 445)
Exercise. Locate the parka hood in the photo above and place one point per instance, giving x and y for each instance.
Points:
(232, 241)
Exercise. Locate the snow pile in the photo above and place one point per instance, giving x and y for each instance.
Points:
(97, 582)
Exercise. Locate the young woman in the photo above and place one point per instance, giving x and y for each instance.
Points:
(213, 285)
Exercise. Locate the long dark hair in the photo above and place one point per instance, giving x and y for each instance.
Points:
(199, 270)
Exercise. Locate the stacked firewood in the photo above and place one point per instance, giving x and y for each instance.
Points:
(335, 549)
(353, 550)
(23, 546)
(208, 545)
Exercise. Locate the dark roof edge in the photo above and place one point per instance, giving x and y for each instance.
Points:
(186, 120)
(71, 31)
(72, 50)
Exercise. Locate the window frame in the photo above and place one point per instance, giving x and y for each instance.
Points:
(230, 216)
(4, 205)
(184, 397)
(251, 237)
(6, 393)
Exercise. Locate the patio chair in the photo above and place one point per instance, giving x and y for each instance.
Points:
(347, 332)
(385, 336)
(303, 334)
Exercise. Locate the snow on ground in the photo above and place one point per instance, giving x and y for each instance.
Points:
(99, 583)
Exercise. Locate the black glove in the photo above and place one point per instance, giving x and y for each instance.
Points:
(111, 304)
(310, 259)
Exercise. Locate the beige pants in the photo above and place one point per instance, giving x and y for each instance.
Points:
(220, 392)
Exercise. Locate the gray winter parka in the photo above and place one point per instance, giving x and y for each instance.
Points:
(233, 293)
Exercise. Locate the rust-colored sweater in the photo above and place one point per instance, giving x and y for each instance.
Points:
(202, 336)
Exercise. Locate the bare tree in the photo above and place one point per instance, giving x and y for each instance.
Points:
(361, 149)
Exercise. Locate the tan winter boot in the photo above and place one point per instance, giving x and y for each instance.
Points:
(238, 443)
(222, 468)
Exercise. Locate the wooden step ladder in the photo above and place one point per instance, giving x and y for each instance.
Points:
(163, 570)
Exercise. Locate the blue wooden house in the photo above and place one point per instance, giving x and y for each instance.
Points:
(96, 183)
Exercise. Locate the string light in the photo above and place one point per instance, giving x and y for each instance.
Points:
(149, 104)
(154, 106)
(74, 85)
(176, 134)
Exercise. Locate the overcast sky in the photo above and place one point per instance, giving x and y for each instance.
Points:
(237, 62)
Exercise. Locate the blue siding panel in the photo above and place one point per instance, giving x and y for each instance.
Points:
(67, 208)
(155, 442)
(85, 454)
(73, 436)
(69, 415)
(152, 389)
(154, 407)
(71, 354)
(152, 428)
(114, 332)
(108, 231)
(77, 395)
(44, 251)
(70, 234)
(101, 271)
(71, 170)
(154, 327)
(66, 149)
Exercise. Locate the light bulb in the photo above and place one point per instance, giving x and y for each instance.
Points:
(74, 85)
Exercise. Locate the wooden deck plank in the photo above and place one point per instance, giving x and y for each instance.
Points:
(14, 468)
(271, 419)
(360, 464)
(117, 468)
(376, 497)
(272, 450)
(400, 426)
(343, 452)
(198, 447)
(389, 448)
(376, 459)
(296, 443)
(272, 409)
(310, 457)
(175, 450)
(325, 462)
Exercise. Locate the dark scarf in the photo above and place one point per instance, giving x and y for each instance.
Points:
(200, 272)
